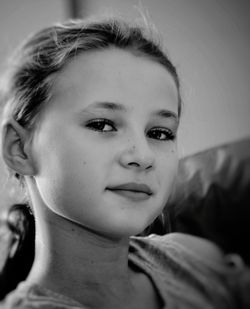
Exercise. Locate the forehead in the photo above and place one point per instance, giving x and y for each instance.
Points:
(114, 75)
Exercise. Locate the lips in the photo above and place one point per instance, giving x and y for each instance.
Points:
(132, 187)
(134, 192)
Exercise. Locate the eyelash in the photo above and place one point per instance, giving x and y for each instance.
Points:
(99, 125)
(93, 125)
(169, 135)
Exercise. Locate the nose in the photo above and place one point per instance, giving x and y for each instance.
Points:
(137, 155)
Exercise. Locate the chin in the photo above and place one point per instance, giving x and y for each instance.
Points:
(129, 228)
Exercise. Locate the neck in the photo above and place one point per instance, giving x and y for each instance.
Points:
(98, 266)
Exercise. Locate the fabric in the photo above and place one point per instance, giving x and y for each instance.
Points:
(182, 278)
(212, 197)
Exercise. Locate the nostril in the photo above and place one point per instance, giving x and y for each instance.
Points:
(134, 164)
(143, 166)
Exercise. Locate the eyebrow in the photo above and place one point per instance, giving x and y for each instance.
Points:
(111, 106)
(167, 114)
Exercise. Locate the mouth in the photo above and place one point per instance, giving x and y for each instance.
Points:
(132, 191)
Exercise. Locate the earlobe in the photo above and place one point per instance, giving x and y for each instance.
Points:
(15, 152)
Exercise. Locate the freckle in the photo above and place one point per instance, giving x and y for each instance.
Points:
(84, 162)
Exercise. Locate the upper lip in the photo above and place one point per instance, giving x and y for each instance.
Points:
(132, 186)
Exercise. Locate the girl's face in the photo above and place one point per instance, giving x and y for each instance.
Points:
(105, 147)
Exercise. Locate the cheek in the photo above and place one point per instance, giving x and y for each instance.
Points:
(167, 170)
(69, 171)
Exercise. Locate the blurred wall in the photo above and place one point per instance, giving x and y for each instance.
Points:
(209, 41)
(20, 18)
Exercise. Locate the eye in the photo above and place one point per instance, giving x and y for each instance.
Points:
(101, 125)
(161, 134)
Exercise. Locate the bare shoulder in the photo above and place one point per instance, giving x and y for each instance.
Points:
(200, 246)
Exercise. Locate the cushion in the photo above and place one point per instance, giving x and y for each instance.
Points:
(212, 197)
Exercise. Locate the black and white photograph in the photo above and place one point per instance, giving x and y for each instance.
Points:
(125, 154)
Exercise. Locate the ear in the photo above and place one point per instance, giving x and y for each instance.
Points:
(16, 148)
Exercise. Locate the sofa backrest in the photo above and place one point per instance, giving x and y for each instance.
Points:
(212, 197)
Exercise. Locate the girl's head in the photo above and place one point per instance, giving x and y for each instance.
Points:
(90, 123)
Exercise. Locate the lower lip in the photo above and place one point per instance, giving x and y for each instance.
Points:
(132, 195)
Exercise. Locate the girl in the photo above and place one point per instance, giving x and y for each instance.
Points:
(91, 115)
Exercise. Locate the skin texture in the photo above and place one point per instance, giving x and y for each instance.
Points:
(76, 163)
(82, 227)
